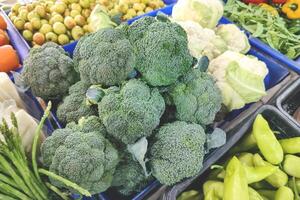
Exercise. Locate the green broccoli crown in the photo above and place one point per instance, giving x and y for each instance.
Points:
(129, 176)
(162, 50)
(74, 106)
(177, 152)
(105, 57)
(196, 97)
(87, 159)
(133, 112)
(49, 71)
(88, 124)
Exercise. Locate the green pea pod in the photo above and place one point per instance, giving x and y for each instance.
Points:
(256, 174)
(190, 195)
(266, 141)
(216, 186)
(284, 193)
(246, 159)
(235, 181)
(253, 195)
(277, 179)
(291, 165)
(290, 145)
(270, 194)
(247, 143)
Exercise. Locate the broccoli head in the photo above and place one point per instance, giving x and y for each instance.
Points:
(196, 97)
(87, 159)
(74, 106)
(105, 57)
(133, 112)
(88, 124)
(177, 152)
(129, 176)
(49, 71)
(162, 50)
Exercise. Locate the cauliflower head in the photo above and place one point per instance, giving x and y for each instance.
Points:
(49, 71)
(162, 50)
(87, 159)
(177, 152)
(105, 57)
(196, 97)
(133, 112)
(74, 106)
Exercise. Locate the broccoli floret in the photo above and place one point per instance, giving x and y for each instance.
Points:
(105, 57)
(88, 124)
(87, 159)
(74, 106)
(49, 72)
(196, 97)
(162, 50)
(133, 112)
(129, 176)
(177, 152)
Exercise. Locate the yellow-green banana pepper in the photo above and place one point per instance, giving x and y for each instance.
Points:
(290, 145)
(277, 179)
(266, 141)
(190, 195)
(291, 165)
(246, 159)
(284, 193)
(235, 181)
(256, 174)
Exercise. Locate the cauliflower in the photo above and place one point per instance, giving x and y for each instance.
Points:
(205, 12)
(87, 159)
(133, 112)
(49, 72)
(203, 41)
(105, 57)
(236, 40)
(196, 97)
(162, 50)
(239, 77)
(177, 152)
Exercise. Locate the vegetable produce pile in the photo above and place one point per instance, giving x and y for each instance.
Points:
(259, 167)
(9, 59)
(277, 25)
(139, 102)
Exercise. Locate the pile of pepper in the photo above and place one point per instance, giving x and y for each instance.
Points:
(261, 167)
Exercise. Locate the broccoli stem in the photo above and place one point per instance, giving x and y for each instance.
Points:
(36, 139)
(10, 170)
(57, 191)
(13, 192)
(66, 182)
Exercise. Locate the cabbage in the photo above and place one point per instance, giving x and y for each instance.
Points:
(239, 77)
(99, 19)
(235, 39)
(203, 41)
(205, 12)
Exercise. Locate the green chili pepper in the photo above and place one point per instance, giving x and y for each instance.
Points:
(266, 141)
(246, 159)
(235, 181)
(291, 165)
(190, 195)
(216, 186)
(253, 195)
(284, 193)
(290, 145)
(277, 179)
(270, 194)
(256, 174)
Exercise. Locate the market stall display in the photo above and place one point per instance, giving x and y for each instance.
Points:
(143, 104)
(253, 164)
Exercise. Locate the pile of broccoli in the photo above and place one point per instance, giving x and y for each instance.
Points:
(119, 132)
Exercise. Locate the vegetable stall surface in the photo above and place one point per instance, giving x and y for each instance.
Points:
(263, 179)
(274, 30)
